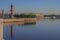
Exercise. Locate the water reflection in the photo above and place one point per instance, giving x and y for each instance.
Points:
(12, 31)
(11, 28)
(42, 30)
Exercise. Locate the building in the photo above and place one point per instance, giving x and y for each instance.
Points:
(39, 16)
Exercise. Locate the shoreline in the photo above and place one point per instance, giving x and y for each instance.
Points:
(18, 20)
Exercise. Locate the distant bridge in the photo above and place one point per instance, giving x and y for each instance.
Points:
(50, 16)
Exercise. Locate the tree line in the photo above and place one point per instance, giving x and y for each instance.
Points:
(25, 16)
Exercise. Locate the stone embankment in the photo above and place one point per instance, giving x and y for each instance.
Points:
(18, 20)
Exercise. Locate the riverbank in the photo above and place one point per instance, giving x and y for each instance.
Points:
(19, 20)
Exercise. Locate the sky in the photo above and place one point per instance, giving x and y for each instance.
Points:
(31, 6)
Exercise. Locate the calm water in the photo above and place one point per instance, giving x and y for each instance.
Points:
(42, 30)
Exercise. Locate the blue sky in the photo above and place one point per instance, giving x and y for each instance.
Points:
(35, 6)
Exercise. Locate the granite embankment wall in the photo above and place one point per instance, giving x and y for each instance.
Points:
(19, 20)
(1, 29)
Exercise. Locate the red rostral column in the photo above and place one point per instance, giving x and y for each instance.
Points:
(12, 11)
(2, 13)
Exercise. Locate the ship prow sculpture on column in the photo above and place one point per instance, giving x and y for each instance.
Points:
(2, 13)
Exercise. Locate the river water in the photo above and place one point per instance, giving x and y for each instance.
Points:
(42, 30)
